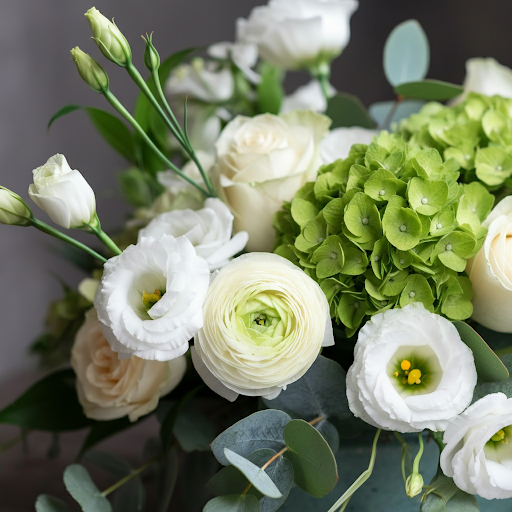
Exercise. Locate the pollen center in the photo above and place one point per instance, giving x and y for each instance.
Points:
(150, 299)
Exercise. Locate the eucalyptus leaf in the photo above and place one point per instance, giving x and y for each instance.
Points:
(314, 465)
(193, 430)
(263, 429)
(505, 386)
(79, 484)
(429, 90)
(130, 497)
(109, 462)
(47, 503)
(406, 53)
(489, 366)
(381, 111)
(233, 503)
(347, 110)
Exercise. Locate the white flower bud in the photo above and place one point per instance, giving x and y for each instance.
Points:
(109, 38)
(63, 194)
(13, 210)
(413, 485)
(90, 71)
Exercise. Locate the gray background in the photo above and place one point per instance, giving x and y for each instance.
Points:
(38, 77)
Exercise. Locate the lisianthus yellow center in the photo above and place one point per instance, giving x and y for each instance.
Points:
(503, 436)
(408, 376)
(150, 299)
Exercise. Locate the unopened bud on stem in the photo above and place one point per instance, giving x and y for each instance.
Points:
(90, 71)
(413, 485)
(13, 210)
(151, 56)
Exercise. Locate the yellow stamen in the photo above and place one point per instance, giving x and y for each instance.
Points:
(406, 365)
(397, 374)
(499, 436)
(406, 373)
(150, 299)
(414, 377)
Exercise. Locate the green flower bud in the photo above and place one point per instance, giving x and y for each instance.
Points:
(90, 71)
(13, 210)
(413, 485)
(109, 38)
(151, 56)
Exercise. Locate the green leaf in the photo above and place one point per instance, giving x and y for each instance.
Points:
(320, 392)
(429, 90)
(270, 89)
(417, 289)
(167, 479)
(381, 110)
(263, 429)
(406, 53)
(504, 386)
(50, 404)
(47, 503)
(313, 462)
(79, 484)
(462, 502)
(63, 112)
(303, 211)
(489, 366)
(233, 503)
(138, 187)
(254, 474)
(347, 110)
(193, 430)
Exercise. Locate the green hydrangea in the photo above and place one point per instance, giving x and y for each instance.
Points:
(477, 133)
(387, 226)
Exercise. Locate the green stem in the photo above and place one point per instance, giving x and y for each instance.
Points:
(405, 447)
(41, 226)
(119, 107)
(128, 477)
(104, 238)
(361, 480)
(416, 463)
(322, 73)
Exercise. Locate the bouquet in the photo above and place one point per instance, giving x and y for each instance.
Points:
(298, 272)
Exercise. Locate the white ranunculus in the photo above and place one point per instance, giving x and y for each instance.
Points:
(486, 76)
(209, 230)
(244, 57)
(150, 297)
(490, 271)
(263, 161)
(411, 371)
(339, 141)
(265, 322)
(13, 210)
(109, 387)
(63, 194)
(295, 34)
(201, 81)
(478, 451)
(306, 97)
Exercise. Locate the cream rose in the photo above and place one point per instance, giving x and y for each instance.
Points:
(490, 271)
(263, 161)
(478, 452)
(411, 371)
(265, 321)
(295, 34)
(109, 387)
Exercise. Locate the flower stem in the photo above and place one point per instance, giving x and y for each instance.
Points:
(41, 226)
(405, 448)
(103, 237)
(416, 463)
(322, 73)
(361, 480)
(119, 107)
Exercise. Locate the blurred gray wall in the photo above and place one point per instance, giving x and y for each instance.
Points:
(38, 77)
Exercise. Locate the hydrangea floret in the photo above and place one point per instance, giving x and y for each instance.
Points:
(477, 133)
(388, 226)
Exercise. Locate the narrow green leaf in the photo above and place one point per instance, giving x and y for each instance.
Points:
(233, 503)
(62, 112)
(270, 89)
(47, 503)
(50, 404)
(254, 474)
(79, 484)
(313, 462)
(429, 90)
(406, 53)
(347, 110)
(489, 366)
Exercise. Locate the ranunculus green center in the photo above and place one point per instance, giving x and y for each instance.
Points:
(263, 319)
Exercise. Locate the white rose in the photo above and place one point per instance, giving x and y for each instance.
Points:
(13, 210)
(338, 143)
(295, 34)
(306, 97)
(244, 57)
(109, 387)
(490, 271)
(209, 230)
(263, 161)
(150, 297)
(486, 76)
(202, 81)
(63, 194)
(477, 452)
(411, 371)
(265, 321)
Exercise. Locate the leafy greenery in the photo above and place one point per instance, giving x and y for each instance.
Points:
(80, 485)
(347, 110)
(430, 90)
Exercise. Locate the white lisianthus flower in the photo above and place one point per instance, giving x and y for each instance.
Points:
(13, 210)
(150, 297)
(265, 321)
(201, 81)
(306, 97)
(209, 230)
(490, 271)
(298, 34)
(63, 194)
(478, 451)
(244, 57)
(263, 161)
(411, 371)
(109, 387)
(339, 141)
